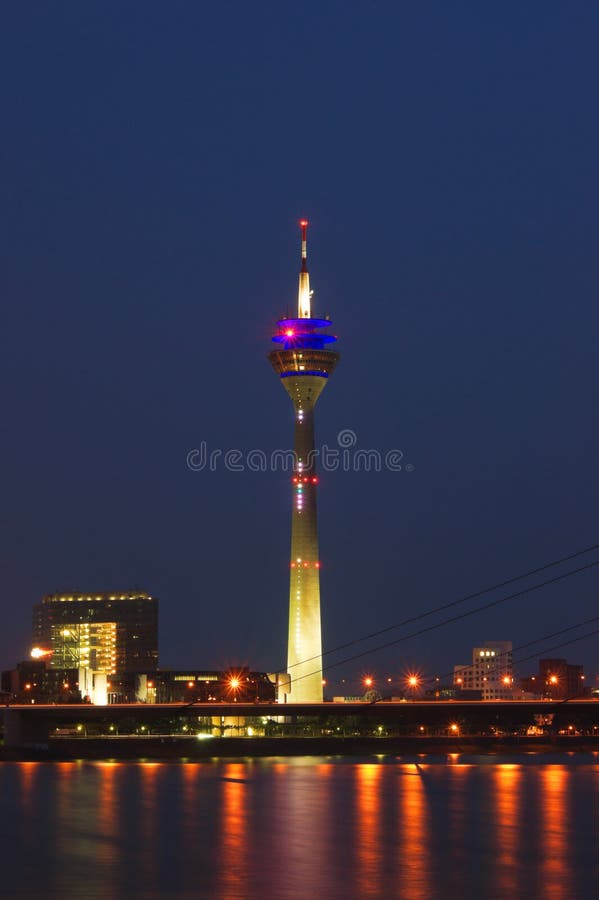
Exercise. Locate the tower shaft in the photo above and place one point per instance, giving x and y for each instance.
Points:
(304, 649)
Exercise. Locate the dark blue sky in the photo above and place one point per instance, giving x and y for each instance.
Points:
(155, 159)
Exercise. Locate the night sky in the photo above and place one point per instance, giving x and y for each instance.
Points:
(155, 159)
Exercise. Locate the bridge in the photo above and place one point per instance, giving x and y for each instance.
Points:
(35, 725)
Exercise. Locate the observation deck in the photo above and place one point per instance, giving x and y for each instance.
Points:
(303, 348)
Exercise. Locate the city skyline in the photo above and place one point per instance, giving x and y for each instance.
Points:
(145, 249)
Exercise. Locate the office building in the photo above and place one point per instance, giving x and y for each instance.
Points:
(106, 633)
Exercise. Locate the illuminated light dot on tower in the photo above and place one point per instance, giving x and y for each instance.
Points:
(304, 362)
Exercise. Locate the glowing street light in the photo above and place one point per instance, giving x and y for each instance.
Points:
(412, 681)
(234, 684)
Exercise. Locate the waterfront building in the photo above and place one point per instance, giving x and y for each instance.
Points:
(196, 686)
(304, 363)
(491, 671)
(556, 679)
(103, 632)
(37, 681)
(34, 681)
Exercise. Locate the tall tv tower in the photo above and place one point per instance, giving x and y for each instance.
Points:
(303, 363)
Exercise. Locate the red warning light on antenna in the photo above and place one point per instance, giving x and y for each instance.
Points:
(303, 223)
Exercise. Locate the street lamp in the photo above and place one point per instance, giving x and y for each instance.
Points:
(234, 684)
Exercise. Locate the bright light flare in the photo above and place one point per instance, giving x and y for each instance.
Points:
(39, 653)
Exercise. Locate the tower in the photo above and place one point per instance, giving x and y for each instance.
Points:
(303, 363)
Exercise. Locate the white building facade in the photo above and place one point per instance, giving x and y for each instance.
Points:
(491, 671)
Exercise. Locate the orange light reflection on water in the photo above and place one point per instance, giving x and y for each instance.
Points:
(415, 836)
(191, 806)
(507, 786)
(232, 879)
(108, 850)
(555, 870)
(367, 841)
(27, 772)
(149, 773)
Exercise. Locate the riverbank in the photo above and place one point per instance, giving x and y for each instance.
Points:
(191, 748)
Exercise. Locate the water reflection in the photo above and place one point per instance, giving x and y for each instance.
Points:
(108, 817)
(232, 878)
(506, 803)
(27, 773)
(281, 830)
(302, 835)
(459, 827)
(367, 840)
(150, 820)
(555, 866)
(190, 808)
(415, 833)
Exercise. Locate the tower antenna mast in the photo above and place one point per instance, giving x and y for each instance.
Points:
(303, 294)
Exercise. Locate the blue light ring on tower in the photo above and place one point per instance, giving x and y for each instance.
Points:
(307, 341)
(303, 325)
(319, 374)
(302, 333)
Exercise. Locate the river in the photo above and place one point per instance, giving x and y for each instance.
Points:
(312, 828)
